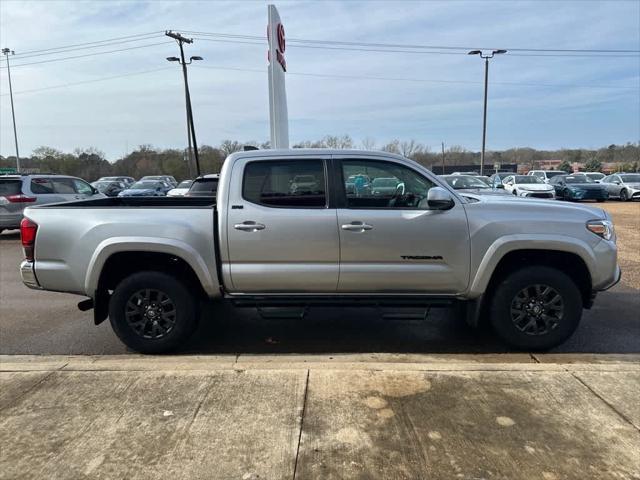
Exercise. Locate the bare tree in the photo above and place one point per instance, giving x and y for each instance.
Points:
(368, 143)
(409, 148)
(229, 146)
(392, 147)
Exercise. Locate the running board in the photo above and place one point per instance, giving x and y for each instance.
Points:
(302, 301)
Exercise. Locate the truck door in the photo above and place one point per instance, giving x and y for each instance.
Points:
(390, 242)
(281, 234)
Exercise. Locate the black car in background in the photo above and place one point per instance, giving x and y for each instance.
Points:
(578, 187)
(204, 186)
(110, 189)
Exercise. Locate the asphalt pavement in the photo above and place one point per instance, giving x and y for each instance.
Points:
(36, 322)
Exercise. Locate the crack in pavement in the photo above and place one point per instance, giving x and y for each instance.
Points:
(304, 408)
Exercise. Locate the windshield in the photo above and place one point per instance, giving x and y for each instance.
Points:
(577, 179)
(595, 176)
(630, 178)
(553, 174)
(527, 179)
(463, 181)
(146, 185)
(185, 184)
(385, 182)
(101, 185)
(205, 185)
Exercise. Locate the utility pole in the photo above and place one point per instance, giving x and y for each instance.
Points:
(6, 52)
(443, 158)
(191, 132)
(486, 88)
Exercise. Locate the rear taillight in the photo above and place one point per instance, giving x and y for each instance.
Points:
(28, 231)
(20, 198)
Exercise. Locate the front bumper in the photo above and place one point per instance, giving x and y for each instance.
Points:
(588, 195)
(28, 274)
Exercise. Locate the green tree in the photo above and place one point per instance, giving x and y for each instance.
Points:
(593, 165)
(565, 166)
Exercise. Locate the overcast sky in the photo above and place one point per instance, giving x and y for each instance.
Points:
(538, 101)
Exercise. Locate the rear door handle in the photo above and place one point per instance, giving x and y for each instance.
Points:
(249, 226)
(356, 227)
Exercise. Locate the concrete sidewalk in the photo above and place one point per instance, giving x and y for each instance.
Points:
(320, 417)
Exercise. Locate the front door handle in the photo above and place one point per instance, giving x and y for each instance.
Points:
(356, 227)
(249, 226)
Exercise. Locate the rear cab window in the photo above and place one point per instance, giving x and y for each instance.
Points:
(285, 183)
(209, 185)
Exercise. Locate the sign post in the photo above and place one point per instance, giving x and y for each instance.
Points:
(278, 115)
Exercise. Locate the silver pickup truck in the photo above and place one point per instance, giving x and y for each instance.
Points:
(526, 266)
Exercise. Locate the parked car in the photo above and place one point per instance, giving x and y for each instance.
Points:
(625, 186)
(384, 185)
(304, 183)
(126, 180)
(528, 186)
(19, 191)
(181, 189)
(470, 184)
(533, 265)
(578, 187)
(204, 186)
(109, 188)
(164, 178)
(546, 175)
(147, 188)
(485, 179)
(595, 176)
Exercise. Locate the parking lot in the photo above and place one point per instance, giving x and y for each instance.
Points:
(33, 322)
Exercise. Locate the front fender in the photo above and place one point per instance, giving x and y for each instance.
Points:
(510, 243)
(208, 277)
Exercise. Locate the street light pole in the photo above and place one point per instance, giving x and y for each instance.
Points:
(191, 132)
(486, 89)
(5, 52)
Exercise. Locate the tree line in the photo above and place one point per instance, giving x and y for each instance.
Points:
(91, 163)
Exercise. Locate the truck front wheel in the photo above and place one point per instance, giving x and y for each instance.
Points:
(152, 312)
(536, 308)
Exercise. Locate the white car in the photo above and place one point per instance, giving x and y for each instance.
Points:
(546, 175)
(182, 188)
(528, 186)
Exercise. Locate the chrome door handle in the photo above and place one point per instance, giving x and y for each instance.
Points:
(249, 226)
(356, 227)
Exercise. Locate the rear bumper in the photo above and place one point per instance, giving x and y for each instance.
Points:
(28, 274)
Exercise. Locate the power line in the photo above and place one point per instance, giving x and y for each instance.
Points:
(422, 52)
(414, 46)
(89, 54)
(23, 56)
(28, 52)
(82, 82)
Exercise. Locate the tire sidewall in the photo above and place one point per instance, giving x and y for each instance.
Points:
(623, 195)
(507, 289)
(184, 302)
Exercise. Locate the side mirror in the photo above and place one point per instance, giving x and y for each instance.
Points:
(617, 182)
(500, 185)
(94, 191)
(439, 199)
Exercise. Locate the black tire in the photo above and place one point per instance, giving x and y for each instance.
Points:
(165, 301)
(518, 321)
(624, 195)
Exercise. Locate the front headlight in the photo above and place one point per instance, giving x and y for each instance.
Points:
(602, 228)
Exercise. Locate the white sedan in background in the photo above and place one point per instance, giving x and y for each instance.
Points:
(528, 186)
(182, 188)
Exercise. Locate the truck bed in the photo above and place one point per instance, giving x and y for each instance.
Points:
(141, 202)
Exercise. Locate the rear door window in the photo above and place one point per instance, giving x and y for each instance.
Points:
(41, 186)
(64, 186)
(285, 183)
(10, 187)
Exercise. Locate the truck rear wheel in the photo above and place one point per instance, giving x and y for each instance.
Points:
(152, 312)
(536, 308)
